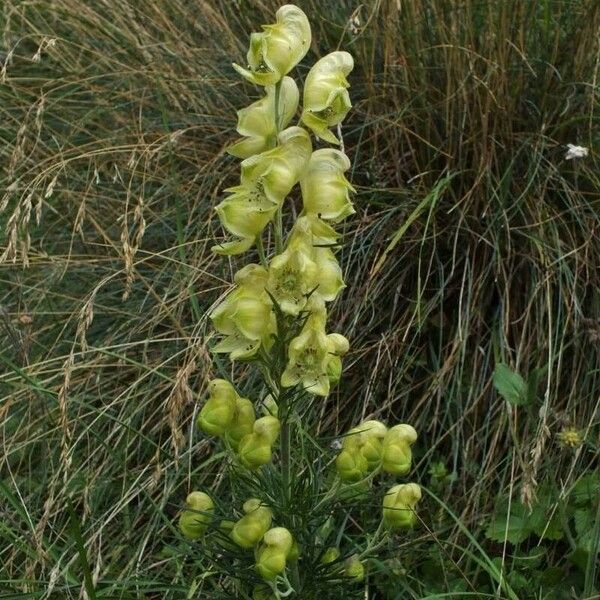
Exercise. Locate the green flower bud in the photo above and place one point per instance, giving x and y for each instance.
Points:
(354, 568)
(217, 414)
(254, 451)
(330, 555)
(278, 48)
(399, 504)
(250, 529)
(372, 434)
(273, 553)
(243, 422)
(397, 455)
(326, 98)
(267, 427)
(196, 516)
(351, 465)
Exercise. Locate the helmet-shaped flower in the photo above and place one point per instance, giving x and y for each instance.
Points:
(242, 423)
(196, 515)
(257, 123)
(249, 530)
(245, 316)
(354, 568)
(326, 98)
(217, 414)
(310, 351)
(397, 455)
(399, 505)
(266, 180)
(273, 552)
(325, 189)
(279, 48)
(255, 449)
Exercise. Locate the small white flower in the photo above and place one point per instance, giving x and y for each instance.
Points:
(575, 152)
(336, 445)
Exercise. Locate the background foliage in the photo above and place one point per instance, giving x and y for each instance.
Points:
(475, 244)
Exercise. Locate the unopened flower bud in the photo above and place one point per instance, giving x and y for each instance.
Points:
(351, 465)
(330, 555)
(250, 529)
(196, 516)
(399, 505)
(397, 455)
(242, 424)
(217, 414)
(354, 568)
(273, 553)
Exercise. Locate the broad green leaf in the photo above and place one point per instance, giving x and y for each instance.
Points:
(514, 532)
(510, 385)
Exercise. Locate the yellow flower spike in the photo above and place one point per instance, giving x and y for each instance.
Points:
(273, 553)
(249, 530)
(255, 449)
(397, 455)
(266, 180)
(257, 121)
(196, 516)
(326, 98)
(354, 568)
(330, 555)
(325, 190)
(279, 48)
(217, 414)
(242, 424)
(245, 316)
(399, 504)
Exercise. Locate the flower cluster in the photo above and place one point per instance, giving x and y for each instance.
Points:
(372, 447)
(225, 414)
(275, 316)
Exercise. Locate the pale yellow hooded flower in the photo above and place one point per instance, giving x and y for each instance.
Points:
(257, 121)
(279, 48)
(266, 180)
(325, 190)
(326, 98)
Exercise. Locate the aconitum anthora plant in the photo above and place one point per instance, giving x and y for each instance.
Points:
(285, 521)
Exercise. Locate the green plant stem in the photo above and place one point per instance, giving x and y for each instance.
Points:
(261, 251)
(279, 217)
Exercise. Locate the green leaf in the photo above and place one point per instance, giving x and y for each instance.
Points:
(510, 385)
(586, 490)
(514, 531)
